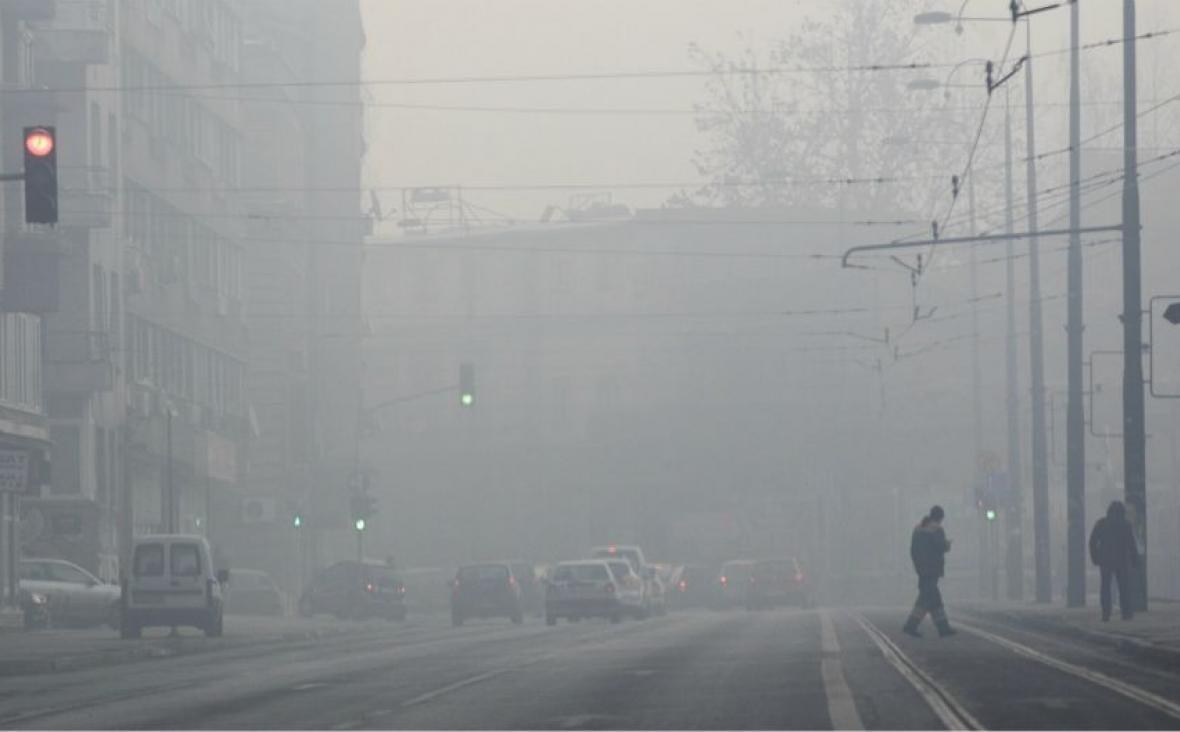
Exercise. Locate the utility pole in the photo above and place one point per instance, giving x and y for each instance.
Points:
(1040, 461)
(1134, 419)
(1075, 450)
(985, 557)
(1014, 564)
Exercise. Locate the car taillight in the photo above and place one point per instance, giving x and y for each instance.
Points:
(369, 587)
(512, 582)
(683, 585)
(724, 580)
(610, 589)
(799, 577)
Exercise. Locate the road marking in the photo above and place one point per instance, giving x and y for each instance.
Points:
(952, 714)
(1134, 693)
(841, 705)
(423, 698)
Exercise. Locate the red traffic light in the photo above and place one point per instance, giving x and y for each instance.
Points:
(39, 142)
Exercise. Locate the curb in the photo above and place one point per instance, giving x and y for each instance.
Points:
(1124, 643)
(155, 651)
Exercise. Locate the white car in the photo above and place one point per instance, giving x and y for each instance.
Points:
(588, 588)
(173, 583)
(75, 597)
(632, 590)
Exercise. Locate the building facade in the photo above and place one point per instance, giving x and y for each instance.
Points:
(188, 384)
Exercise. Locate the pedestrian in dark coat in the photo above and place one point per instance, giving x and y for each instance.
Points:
(928, 548)
(1113, 550)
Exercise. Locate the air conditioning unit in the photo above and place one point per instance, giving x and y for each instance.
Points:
(259, 510)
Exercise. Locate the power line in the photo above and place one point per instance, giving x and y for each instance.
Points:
(586, 76)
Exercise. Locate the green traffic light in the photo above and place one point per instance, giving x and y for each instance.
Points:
(991, 514)
(297, 522)
(360, 524)
(467, 399)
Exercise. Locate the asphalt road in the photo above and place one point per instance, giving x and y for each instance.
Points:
(785, 669)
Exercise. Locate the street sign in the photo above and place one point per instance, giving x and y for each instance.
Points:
(14, 471)
(1172, 313)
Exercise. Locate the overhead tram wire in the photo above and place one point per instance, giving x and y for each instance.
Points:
(585, 76)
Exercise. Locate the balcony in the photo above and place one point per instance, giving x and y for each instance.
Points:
(79, 33)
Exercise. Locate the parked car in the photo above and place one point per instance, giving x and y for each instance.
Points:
(588, 588)
(488, 590)
(732, 581)
(253, 592)
(173, 583)
(74, 597)
(355, 590)
(776, 583)
(34, 607)
(694, 585)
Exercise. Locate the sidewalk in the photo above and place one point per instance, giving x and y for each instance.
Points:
(1155, 633)
(57, 650)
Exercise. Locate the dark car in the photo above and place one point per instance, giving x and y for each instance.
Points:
(355, 590)
(777, 583)
(488, 590)
(253, 592)
(695, 585)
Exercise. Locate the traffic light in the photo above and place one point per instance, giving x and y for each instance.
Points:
(362, 506)
(466, 384)
(990, 514)
(359, 524)
(297, 521)
(40, 150)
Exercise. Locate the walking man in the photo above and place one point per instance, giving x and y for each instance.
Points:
(928, 548)
(1113, 549)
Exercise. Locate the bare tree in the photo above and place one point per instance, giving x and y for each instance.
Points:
(807, 122)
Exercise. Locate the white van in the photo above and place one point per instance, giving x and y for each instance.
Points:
(172, 582)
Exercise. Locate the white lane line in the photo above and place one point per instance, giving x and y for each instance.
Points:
(423, 698)
(1134, 693)
(841, 705)
(952, 714)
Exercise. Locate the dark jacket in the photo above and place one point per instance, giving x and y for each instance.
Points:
(928, 548)
(1112, 541)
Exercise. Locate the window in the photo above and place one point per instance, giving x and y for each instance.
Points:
(66, 573)
(581, 573)
(95, 135)
(186, 560)
(33, 571)
(149, 560)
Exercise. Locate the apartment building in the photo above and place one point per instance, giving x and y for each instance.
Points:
(28, 289)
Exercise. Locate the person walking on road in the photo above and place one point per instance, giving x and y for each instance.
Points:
(928, 548)
(1113, 550)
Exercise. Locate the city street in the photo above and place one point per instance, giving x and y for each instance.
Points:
(779, 669)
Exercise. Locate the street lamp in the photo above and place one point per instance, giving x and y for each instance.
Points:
(938, 17)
